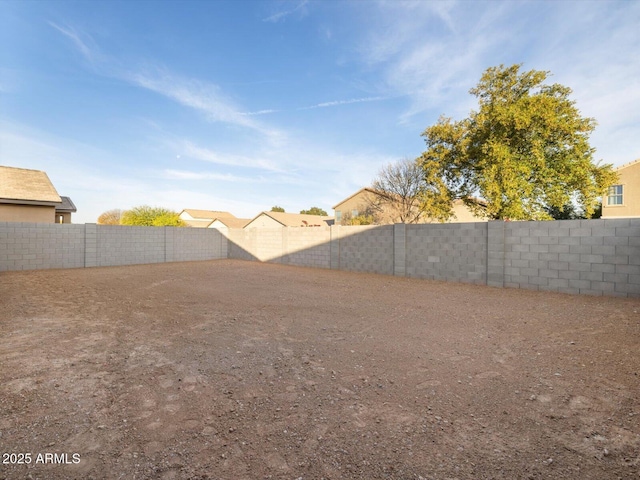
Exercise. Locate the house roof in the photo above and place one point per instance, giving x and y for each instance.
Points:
(66, 206)
(362, 190)
(197, 223)
(232, 222)
(207, 214)
(296, 219)
(21, 185)
(627, 164)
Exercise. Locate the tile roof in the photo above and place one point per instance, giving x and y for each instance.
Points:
(627, 164)
(297, 219)
(233, 222)
(207, 214)
(66, 206)
(29, 186)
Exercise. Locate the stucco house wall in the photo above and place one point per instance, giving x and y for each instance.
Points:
(263, 221)
(27, 213)
(623, 199)
(361, 201)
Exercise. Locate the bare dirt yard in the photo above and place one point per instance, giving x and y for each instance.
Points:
(240, 370)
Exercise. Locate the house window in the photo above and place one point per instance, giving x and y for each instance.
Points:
(354, 213)
(615, 195)
(338, 216)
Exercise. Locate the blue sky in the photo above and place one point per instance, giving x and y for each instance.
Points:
(243, 105)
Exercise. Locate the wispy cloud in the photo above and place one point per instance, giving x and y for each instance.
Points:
(433, 52)
(190, 150)
(71, 33)
(225, 177)
(260, 112)
(336, 103)
(299, 8)
(204, 97)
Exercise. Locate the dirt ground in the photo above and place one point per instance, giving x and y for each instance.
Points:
(240, 370)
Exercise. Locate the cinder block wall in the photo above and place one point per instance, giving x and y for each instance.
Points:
(575, 256)
(310, 247)
(597, 257)
(452, 252)
(120, 245)
(188, 244)
(264, 244)
(30, 246)
(363, 248)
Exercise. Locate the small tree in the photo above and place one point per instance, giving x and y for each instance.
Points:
(110, 217)
(365, 218)
(277, 209)
(404, 194)
(314, 211)
(152, 217)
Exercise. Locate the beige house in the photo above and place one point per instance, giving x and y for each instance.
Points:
(64, 210)
(281, 219)
(29, 196)
(623, 199)
(361, 202)
(202, 218)
(226, 223)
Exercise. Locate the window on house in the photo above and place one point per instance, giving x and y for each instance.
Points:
(338, 216)
(615, 195)
(354, 213)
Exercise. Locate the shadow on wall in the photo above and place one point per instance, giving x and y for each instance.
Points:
(595, 257)
(453, 252)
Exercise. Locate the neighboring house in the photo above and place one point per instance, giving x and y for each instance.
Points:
(623, 199)
(201, 218)
(226, 223)
(361, 202)
(281, 219)
(29, 196)
(64, 210)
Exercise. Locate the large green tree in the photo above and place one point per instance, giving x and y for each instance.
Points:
(151, 217)
(524, 151)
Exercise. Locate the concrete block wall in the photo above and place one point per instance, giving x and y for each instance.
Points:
(242, 244)
(120, 245)
(264, 244)
(358, 248)
(310, 247)
(363, 248)
(188, 244)
(28, 246)
(31, 246)
(595, 257)
(453, 252)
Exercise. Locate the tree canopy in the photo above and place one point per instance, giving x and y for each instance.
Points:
(276, 208)
(110, 217)
(314, 211)
(152, 217)
(524, 151)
